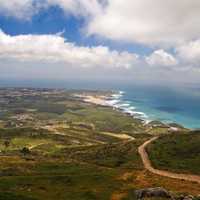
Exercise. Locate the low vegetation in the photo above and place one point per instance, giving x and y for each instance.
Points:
(178, 152)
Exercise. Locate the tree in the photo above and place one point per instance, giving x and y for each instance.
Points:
(6, 143)
(25, 151)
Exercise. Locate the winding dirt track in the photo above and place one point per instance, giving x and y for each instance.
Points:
(147, 164)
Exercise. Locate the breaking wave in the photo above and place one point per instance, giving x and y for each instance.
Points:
(116, 101)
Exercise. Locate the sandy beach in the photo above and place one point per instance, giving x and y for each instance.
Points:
(98, 100)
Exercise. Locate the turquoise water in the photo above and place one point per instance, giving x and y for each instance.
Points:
(179, 105)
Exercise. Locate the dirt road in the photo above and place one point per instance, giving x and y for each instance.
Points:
(147, 164)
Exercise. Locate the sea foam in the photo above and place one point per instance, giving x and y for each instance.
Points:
(116, 101)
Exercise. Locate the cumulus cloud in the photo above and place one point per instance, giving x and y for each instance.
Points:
(20, 9)
(54, 48)
(151, 22)
(83, 8)
(161, 58)
(189, 52)
(25, 9)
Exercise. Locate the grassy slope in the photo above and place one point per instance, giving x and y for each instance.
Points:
(61, 181)
(82, 173)
(77, 173)
(180, 153)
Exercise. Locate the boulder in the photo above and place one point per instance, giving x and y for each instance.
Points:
(152, 192)
(189, 197)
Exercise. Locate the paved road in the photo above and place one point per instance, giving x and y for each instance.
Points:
(147, 164)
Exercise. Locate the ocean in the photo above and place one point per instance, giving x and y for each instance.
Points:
(166, 104)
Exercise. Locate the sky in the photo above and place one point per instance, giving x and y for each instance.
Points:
(102, 40)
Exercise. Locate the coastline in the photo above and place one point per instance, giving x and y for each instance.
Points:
(114, 100)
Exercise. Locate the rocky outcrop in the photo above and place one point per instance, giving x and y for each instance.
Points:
(152, 192)
(162, 193)
(189, 197)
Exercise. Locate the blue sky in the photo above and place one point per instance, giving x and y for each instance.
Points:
(90, 39)
(54, 20)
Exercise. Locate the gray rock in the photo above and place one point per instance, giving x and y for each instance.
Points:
(153, 192)
(189, 197)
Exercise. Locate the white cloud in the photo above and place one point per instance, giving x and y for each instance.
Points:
(25, 9)
(20, 9)
(190, 52)
(54, 48)
(51, 56)
(83, 8)
(152, 22)
(161, 58)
